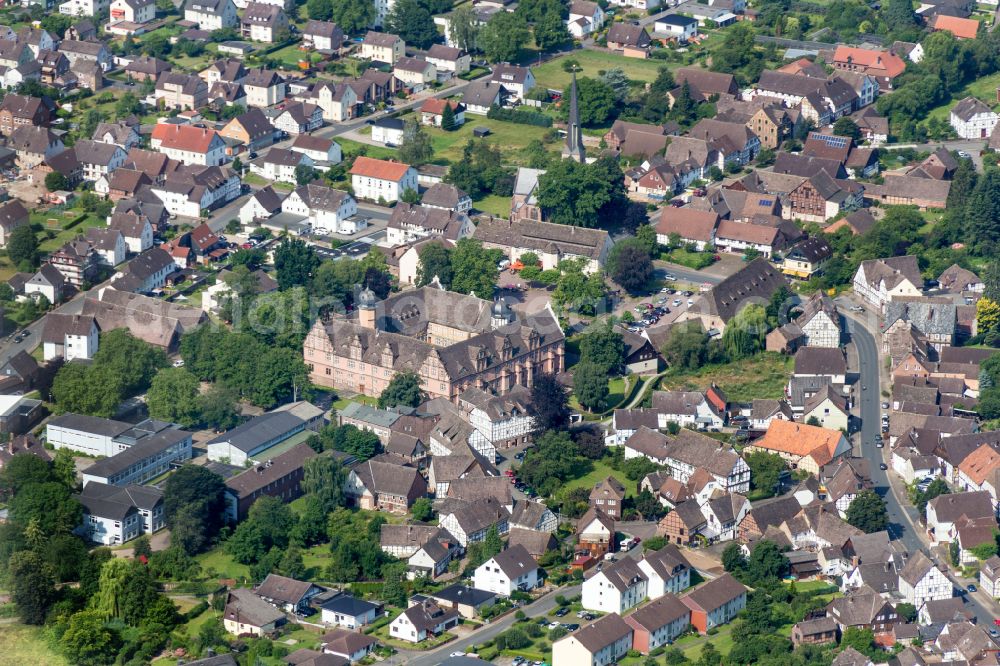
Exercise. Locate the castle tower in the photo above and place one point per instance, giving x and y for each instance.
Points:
(574, 135)
(366, 308)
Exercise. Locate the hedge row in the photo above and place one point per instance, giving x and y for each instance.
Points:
(520, 117)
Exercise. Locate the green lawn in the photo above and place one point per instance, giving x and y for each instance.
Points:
(60, 236)
(494, 205)
(684, 257)
(616, 393)
(289, 55)
(984, 88)
(601, 471)
(510, 137)
(26, 645)
(378, 152)
(763, 376)
(223, 564)
(592, 63)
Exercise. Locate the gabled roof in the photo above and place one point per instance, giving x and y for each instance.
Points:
(379, 169)
(515, 561)
(187, 138)
(604, 632)
(714, 593)
(283, 589)
(245, 607)
(800, 439)
(754, 283)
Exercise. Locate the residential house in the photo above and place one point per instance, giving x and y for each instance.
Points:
(381, 180)
(449, 60)
(468, 601)
(676, 27)
(347, 611)
(805, 259)
(885, 66)
(629, 38)
(716, 602)
(135, 12)
(601, 643)
(422, 620)
(108, 243)
(432, 112)
(446, 197)
(189, 144)
(298, 118)
(508, 571)
(756, 282)
(323, 36)
(251, 128)
(958, 280)
(584, 18)
(667, 571)
(689, 224)
(921, 581)
(98, 159)
(69, 337)
(324, 207)
(595, 533)
(17, 110)
(382, 47)
(13, 214)
(516, 81)
(344, 643)
(34, 145)
(281, 165)
(481, 95)
(388, 131)
(263, 87)
(212, 14)
(863, 608)
(960, 27)
(146, 68)
(989, 576)
(687, 452)
(77, 261)
(410, 222)
(607, 496)
(322, 151)
(805, 447)
(191, 190)
(246, 614)
(469, 522)
(383, 486)
(615, 588)
(972, 119)
(879, 281)
(946, 513)
(658, 623)
(415, 73)
(818, 631)
(262, 204)
(263, 22)
(180, 91)
(94, 52)
(288, 594)
(48, 282)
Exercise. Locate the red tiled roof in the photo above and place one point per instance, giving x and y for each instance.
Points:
(184, 137)
(891, 63)
(962, 28)
(381, 169)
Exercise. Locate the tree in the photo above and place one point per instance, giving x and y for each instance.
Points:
(323, 478)
(616, 79)
(22, 246)
(193, 500)
(411, 20)
(868, 512)
(583, 195)
(686, 347)
(268, 525)
(765, 471)
(906, 611)
(596, 101)
(55, 181)
(655, 103)
(549, 406)
(463, 28)
(404, 389)
(550, 31)
(422, 510)
(844, 126)
(554, 460)
(767, 563)
(173, 396)
(650, 509)
(32, 586)
(434, 261)
(50, 506)
(474, 268)
(502, 38)
(605, 348)
(87, 641)
(630, 265)
(590, 442)
(218, 408)
(415, 148)
(362, 444)
(733, 559)
(22, 470)
(353, 16)
(590, 385)
(858, 638)
(448, 118)
(294, 262)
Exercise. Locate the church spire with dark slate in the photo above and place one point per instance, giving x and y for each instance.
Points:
(574, 135)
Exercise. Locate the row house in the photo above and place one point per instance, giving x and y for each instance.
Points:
(879, 281)
(212, 14)
(192, 190)
(616, 588)
(689, 451)
(188, 144)
(606, 641)
(98, 159)
(298, 118)
(822, 100)
(94, 52)
(411, 222)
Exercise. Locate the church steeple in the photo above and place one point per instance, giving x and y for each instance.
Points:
(574, 135)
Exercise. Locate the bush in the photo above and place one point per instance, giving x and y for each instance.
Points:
(521, 117)
(196, 610)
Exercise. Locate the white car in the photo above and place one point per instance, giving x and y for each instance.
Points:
(457, 654)
(179, 363)
(321, 231)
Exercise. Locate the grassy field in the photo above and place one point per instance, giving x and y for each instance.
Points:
(511, 137)
(601, 471)
(289, 55)
(616, 393)
(224, 565)
(763, 376)
(592, 63)
(983, 88)
(494, 205)
(26, 645)
(378, 152)
(61, 236)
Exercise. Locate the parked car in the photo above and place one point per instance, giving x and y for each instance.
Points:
(562, 612)
(883, 466)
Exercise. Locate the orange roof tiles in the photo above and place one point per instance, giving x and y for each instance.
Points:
(979, 464)
(799, 439)
(962, 28)
(436, 106)
(184, 137)
(890, 63)
(381, 169)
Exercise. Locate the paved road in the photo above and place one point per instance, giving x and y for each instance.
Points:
(903, 519)
(684, 274)
(434, 657)
(8, 347)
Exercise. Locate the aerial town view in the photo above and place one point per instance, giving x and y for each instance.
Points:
(513, 332)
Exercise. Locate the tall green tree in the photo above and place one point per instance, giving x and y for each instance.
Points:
(549, 405)
(193, 498)
(434, 261)
(416, 148)
(404, 389)
(597, 102)
(868, 512)
(22, 246)
(32, 586)
(411, 20)
(590, 385)
(174, 396)
(268, 525)
(982, 213)
(88, 641)
(110, 601)
(605, 348)
(294, 262)
(585, 195)
(630, 265)
(353, 16)
(474, 269)
(550, 31)
(323, 478)
(503, 37)
(463, 28)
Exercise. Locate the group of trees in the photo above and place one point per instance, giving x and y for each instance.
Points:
(362, 444)
(175, 396)
(602, 354)
(123, 366)
(584, 195)
(482, 171)
(466, 269)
